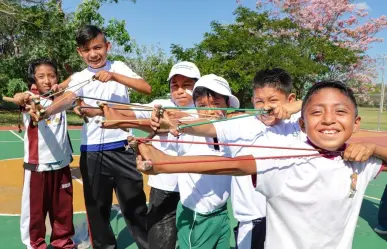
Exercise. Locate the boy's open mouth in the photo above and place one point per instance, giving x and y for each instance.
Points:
(266, 116)
(95, 61)
(330, 132)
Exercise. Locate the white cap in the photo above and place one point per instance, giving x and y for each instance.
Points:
(185, 68)
(218, 85)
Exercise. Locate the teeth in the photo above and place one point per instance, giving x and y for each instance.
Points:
(329, 132)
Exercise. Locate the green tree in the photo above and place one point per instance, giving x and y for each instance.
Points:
(34, 28)
(152, 64)
(257, 41)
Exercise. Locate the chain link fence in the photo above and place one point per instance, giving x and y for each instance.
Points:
(373, 111)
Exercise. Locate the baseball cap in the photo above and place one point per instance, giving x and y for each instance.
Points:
(185, 68)
(218, 85)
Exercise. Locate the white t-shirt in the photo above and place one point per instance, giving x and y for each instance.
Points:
(308, 203)
(92, 134)
(47, 145)
(201, 193)
(248, 204)
(166, 182)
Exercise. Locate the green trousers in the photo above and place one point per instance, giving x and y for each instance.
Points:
(205, 231)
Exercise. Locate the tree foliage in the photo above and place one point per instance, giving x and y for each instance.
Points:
(34, 28)
(257, 41)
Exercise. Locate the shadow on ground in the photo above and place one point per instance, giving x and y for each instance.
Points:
(369, 212)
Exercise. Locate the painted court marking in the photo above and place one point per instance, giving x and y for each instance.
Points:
(115, 207)
(14, 133)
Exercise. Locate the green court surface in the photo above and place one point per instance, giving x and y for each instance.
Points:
(11, 146)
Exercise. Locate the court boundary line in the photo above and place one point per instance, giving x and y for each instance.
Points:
(14, 133)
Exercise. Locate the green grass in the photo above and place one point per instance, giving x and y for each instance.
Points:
(11, 118)
(369, 118)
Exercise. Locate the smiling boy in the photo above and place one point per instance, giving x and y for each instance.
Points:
(105, 163)
(312, 201)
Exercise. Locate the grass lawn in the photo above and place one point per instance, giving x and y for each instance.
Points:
(369, 118)
(11, 118)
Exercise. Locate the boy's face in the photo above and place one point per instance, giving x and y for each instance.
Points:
(329, 119)
(179, 85)
(45, 78)
(267, 98)
(217, 101)
(94, 53)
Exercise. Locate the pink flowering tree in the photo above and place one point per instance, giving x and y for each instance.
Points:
(343, 22)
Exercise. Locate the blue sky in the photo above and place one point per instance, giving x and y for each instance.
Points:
(163, 22)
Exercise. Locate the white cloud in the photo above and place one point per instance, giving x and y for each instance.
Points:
(362, 5)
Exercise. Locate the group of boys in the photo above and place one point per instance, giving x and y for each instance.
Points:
(312, 195)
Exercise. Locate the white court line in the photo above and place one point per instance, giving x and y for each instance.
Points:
(11, 159)
(115, 207)
(370, 197)
(77, 179)
(14, 133)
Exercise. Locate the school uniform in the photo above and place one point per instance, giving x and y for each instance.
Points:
(106, 165)
(249, 206)
(47, 186)
(202, 219)
(309, 200)
(164, 195)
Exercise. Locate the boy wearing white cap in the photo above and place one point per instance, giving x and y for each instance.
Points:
(202, 218)
(164, 193)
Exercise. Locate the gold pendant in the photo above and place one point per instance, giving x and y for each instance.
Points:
(353, 185)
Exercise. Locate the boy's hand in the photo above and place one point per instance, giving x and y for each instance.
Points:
(144, 166)
(285, 111)
(162, 122)
(22, 98)
(359, 152)
(88, 112)
(149, 153)
(104, 76)
(280, 112)
(56, 88)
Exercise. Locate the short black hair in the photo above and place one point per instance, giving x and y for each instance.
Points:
(338, 85)
(88, 33)
(202, 91)
(278, 78)
(34, 64)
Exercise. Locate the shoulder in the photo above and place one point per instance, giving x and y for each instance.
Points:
(119, 64)
(163, 102)
(369, 168)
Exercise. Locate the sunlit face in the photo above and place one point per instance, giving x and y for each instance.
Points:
(181, 90)
(217, 101)
(94, 53)
(329, 119)
(45, 78)
(267, 98)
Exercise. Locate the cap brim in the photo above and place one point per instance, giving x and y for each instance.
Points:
(234, 101)
(185, 74)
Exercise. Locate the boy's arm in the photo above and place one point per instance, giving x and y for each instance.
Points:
(137, 84)
(213, 165)
(165, 122)
(361, 152)
(381, 152)
(61, 103)
(118, 119)
(287, 110)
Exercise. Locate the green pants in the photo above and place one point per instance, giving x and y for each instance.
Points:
(205, 231)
